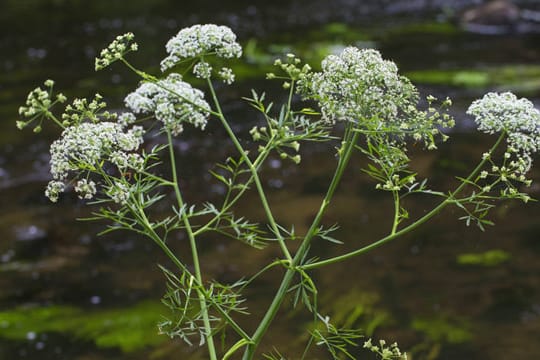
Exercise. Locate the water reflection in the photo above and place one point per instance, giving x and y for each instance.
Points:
(415, 291)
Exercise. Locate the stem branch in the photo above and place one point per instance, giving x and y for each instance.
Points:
(451, 198)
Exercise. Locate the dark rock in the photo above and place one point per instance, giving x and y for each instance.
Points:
(500, 17)
(497, 12)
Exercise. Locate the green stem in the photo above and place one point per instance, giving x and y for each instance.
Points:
(194, 253)
(449, 200)
(344, 156)
(149, 231)
(159, 179)
(54, 118)
(230, 202)
(155, 80)
(289, 100)
(254, 172)
(137, 71)
(395, 194)
(189, 230)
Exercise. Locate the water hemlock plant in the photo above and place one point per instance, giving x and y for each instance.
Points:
(358, 101)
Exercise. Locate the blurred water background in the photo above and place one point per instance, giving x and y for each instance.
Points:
(444, 292)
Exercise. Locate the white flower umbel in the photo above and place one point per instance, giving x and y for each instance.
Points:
(85, 189)
(202, 70)
(53, 190)
(85, 147)
(37, 101)
(200, 40)
(172, 101)
(116, 50)
(126, 119)
(226, 74)
(518, 118)
(119, 192)
(82, 110)
(359, 86)
(38, 105)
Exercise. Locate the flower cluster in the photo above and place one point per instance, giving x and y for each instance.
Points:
(290, 66)
(53, 190)
(284, 137)
(391, 352)
(81, 109)
(37, 105)
(226, 74)
(519, 119)
(202, 70)
(126, 119)
(358, 84)
(119, 192)
(200, 40)
(172, 101)
(116, 50)
(86, 189)
(360, 87)
(85, 147)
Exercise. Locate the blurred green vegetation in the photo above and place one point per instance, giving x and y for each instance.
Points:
(356, 309)
(518, 78)
(487, 259)
(130, 328)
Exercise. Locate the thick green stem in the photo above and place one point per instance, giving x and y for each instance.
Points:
(344, 155)
(451, 198)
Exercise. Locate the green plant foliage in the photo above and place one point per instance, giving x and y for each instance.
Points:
(488, 258)
(130, 329)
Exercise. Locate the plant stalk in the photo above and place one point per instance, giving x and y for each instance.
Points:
(449, 200)
(344, 156)
(194, 253)
(256, 179)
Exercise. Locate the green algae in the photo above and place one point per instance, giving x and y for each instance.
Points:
(311, 47)
(462, 78)
(439, 332)
(486, 259)
(129, 329)
(519, 78)
(444, 329)
(357, 309)
(441, 28)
